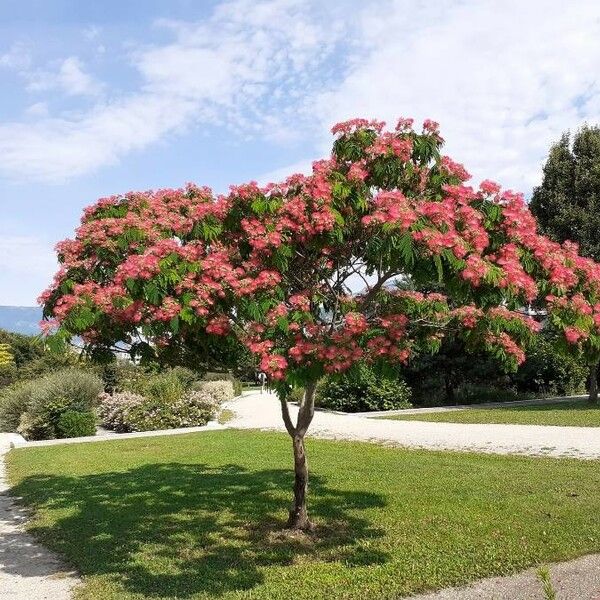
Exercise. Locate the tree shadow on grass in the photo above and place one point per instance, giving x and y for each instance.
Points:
(183, 529)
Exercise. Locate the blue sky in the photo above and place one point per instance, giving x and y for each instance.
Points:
(99, 98)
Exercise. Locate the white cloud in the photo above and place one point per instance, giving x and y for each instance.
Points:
(17, 57)
(304, 167)
(38, 109)
(503, 79)
(70, 77)
(245, 68)
(26, 263)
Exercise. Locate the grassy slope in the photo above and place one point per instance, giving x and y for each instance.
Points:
(576, 414)
(200, 516)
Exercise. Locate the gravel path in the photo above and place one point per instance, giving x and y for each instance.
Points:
(254, 410)
(27, 570)
(574, 580)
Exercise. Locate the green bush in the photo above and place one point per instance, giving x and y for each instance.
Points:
(216, 376)
(296, 395)
(549, 372)
(362, 390)
(185, 376)
(14, 401)
(68, 390)
(126, 411)
(221, 391)
(76, 424)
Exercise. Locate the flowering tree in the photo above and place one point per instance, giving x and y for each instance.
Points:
(303, 272)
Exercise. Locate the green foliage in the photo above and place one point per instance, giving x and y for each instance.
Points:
(162, 387)
(43, 402)
(567, 203)
(24, 348)
(543, 574)
(361, 389)
(72, 423)
(296, 395)
(456, 376)
(50, 362)
(14, 401)
(125, 411)
(547, 371)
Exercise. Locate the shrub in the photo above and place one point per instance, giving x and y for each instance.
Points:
(126, 411)
(114, 409)
(14, 401)
(120, 375)
(221, 391)
(361, 390)
(184, 375)
(51, 396)
(296, 395)
(195, 409)
(76, 424)
(214, 376)
(167, 386)
(547, 371)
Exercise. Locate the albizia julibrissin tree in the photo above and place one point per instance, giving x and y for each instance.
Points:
(276, 268)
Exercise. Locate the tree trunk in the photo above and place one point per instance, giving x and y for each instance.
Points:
(449, 387)
(298, 517)
(593, 397)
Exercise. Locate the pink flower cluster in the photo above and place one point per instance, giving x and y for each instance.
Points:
(145, 258)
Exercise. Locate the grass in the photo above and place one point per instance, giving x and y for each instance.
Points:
(200, 516)
(576, 414)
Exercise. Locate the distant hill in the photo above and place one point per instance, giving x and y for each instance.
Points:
(20, 319)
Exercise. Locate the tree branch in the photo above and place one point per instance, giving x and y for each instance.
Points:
(285, 413)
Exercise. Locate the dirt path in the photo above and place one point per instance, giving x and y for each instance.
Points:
(27, 570)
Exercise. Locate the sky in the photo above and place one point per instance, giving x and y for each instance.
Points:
(100, 98)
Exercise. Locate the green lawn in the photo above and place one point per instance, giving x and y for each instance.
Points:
(201, 516)
(576, 413)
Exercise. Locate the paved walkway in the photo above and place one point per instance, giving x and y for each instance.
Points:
(577, 579)
(254, 410)
(27, 570)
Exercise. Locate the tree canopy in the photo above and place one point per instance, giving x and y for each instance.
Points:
(304, 272)
(567, 206)
(567, 203)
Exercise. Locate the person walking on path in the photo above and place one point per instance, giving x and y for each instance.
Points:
(262, 379)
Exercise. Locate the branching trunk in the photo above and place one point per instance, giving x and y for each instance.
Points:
(298, 518)
(593, 397)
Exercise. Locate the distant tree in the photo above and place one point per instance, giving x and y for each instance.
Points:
(567, 204)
